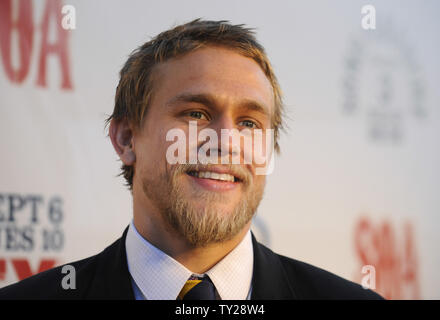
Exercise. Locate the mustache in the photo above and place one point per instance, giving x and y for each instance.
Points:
(234, 169)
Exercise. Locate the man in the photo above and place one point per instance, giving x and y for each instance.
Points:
(190, 235)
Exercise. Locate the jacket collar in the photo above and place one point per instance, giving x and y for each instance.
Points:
(112, 279)
(269, 281)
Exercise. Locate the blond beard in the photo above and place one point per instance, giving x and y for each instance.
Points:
(201, 226)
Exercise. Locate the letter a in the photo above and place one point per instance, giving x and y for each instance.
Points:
(69, 19)
(68, 281)
(369, 280)
(369, 17)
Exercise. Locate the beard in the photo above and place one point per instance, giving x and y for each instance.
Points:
(201, 225)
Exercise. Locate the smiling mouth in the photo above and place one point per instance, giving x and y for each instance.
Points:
(222, 177)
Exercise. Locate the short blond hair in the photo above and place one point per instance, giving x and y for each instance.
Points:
(135, 87)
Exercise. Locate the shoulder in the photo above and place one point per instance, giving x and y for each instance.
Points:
(311, 282)
(48, 284)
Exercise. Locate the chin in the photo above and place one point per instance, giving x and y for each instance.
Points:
(209, 208)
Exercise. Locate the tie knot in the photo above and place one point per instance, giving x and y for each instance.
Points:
(198, 289)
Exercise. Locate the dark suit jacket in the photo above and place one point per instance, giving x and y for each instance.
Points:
(106, 276)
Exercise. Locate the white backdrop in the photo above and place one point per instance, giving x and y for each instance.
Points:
(358, 178)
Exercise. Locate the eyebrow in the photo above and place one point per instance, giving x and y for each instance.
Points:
(210, 101)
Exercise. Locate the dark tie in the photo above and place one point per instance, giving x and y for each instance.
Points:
(197, 289)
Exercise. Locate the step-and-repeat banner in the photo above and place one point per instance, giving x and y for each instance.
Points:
(354, 191)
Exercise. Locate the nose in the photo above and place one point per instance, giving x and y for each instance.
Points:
(228, 136)
(224, 121)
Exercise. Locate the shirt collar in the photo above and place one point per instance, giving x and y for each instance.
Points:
(160, 277)
(232, 276)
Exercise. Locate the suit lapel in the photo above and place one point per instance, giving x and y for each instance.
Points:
(269, 280)
(112, 279)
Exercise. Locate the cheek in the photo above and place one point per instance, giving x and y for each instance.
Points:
(154, 142)
(148, 155)
(259, 182)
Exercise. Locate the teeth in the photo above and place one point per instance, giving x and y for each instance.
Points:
(214, 175)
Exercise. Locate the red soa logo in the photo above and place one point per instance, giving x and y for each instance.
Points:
(394, 259)
(25, 27)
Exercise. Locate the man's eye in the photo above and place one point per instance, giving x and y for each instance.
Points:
(197, 115)
(249, 124)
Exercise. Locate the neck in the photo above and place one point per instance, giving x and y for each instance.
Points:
(155, 230)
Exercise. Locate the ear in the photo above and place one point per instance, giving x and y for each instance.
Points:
(121, 135)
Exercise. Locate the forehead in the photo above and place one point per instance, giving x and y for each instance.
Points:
(223, 73)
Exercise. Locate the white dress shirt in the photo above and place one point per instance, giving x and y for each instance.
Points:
(157, 276)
